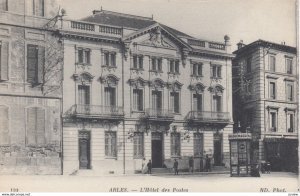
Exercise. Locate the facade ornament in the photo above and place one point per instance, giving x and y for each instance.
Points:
(126, 48)
(83, 78)
(137, 82)
(198, 88)
(174, 86)
(185, 53)
(217, 89)
(109, 80)
(157, 84)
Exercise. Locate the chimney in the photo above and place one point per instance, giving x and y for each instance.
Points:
(240, 44)
(97, 11)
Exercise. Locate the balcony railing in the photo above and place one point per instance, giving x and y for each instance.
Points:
(82, 26)
(158, 115)
(97, 111)
(206, 117)
(216, 46)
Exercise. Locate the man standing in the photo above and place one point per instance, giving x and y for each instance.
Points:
(191, 164)
(175, 166)
(207, 163)
(149, 165)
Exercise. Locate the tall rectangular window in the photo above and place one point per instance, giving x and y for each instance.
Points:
(272, 63)
(84, 56)
(4, 56)
(159, 65)
(106, 59)
(138, 62)
(110, 96)
(272, 90)
(83, 95)
(177, 67)
(198, 144)
(248, 64)
(138, 100)
(290, 92)
(35, 63)
(138, 145)
(197, 69)
(289, 66)
(175, 144)
(141, 62)
(290, 122)
(3, 5)
(273, 121)
(113, 59)
(4, 126)
(174, 102)
(35, 126)
(217, 103)
(216, 71)
(197, 102)
(157, 100)
(110, 144)
(172, 66)
(38, 7)
(153, 60)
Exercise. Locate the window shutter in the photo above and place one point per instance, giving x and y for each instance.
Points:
(31, 126)
(31, 63)
(140, 100)
(4, 61)
(4, 128)
(40, 126)
(41, 64)
(176, 102)
(195, 102)
(134, 99)
(172, 96)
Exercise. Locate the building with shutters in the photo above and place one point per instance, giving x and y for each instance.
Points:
(135, 88)
(30, 89)
(265, 93)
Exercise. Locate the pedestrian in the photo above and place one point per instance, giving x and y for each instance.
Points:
(191, 164)
(143, 165)
(207, 164)
(149, 165)
(175, 166)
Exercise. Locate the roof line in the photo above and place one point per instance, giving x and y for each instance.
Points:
(121, 14)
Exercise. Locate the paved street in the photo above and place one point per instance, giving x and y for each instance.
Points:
(192, 183)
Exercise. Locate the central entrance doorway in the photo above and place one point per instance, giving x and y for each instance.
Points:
(84, 150)
(218, 149)
(157, 149)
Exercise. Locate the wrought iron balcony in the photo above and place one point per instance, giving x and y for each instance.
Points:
(208, 117)
(158, 115)
(96, 111)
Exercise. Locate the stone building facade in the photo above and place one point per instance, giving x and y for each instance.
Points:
(265, 93)
(135, 88)
(30, 89)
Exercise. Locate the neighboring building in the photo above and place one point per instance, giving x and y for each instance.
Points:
(135, 88)
(265, 96)
(30, 89)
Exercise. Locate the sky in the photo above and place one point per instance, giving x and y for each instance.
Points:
(247, 20)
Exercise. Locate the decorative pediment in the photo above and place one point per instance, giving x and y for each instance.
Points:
(157, 83)
(157, 39)
(216, 89)
(156, 31)
(83, 77)
(198, 87)
(174, 86)
(137, 82)
(109, 80)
